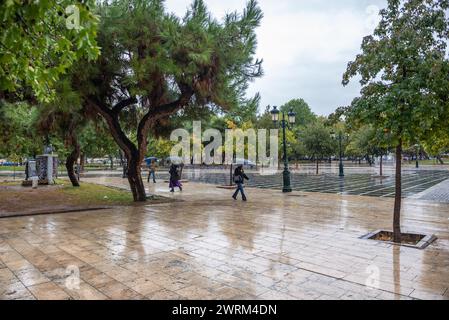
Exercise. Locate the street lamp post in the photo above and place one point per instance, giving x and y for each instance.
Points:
(417, 155)
(340, 142)
(284, 124)
(341, 168)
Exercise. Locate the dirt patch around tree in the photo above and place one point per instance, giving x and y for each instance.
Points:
(413, 240)
(16, 200)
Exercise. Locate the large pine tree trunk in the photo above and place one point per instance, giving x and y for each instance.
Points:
(111, 159)
(122, 162)
(397, 236)
(135, 178)
(159, 109)
(70, 162)
(133, 158)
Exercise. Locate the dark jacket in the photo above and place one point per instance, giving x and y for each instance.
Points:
(240, 176)
(174, 173)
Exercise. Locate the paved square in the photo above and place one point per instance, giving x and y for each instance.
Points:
(207, 246)
(365, 184)
(359, 180)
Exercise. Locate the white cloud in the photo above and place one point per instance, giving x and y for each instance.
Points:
(305, 45)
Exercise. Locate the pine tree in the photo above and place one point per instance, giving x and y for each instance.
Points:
(158, 64)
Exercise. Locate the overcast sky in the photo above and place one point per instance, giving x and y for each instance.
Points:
(305, 45)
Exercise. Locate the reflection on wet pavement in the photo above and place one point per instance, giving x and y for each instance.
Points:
(208, 246)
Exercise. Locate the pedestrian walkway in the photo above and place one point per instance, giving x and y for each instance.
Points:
(438, 193)
(208, 246)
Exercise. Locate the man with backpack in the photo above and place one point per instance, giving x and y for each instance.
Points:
(239, 179)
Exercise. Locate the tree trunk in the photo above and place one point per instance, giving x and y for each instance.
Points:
(135, 178)
(70, 162)
(122, 162)
(381, 165)
(231, 176)
(133, 156)
(112, 162)
(317, 166)
(82, 161)
(440, 160)
(125, 170)
(397, 236)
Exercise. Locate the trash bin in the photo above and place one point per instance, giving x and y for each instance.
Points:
(35, 182)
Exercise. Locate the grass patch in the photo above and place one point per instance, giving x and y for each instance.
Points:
(433, 162)
(10, 183)
(11, 168)
(88, 194)
(21, 169)
(93, 194)
(16, 200)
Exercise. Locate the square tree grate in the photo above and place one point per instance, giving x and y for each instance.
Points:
(412, 240)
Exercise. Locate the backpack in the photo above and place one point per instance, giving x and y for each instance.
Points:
(238, 179)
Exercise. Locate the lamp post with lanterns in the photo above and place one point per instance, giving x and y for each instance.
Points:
(291, 119)
(417, 155)
(340, 141)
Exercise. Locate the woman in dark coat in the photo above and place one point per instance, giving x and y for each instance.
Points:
(175, 178)
(239, 179)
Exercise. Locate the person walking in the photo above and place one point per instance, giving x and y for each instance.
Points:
(152, 173)
(175, 178)
(239, 179)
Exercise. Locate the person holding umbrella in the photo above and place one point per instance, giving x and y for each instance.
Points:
(239, 179)
(175, 178)
(152, 168)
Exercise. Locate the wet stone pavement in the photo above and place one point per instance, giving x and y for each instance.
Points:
(437, 193)
(208, 246)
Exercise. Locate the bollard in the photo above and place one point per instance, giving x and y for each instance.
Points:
(35, 182)
(231, 175)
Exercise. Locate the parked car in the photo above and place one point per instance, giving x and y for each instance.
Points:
(10, 164)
